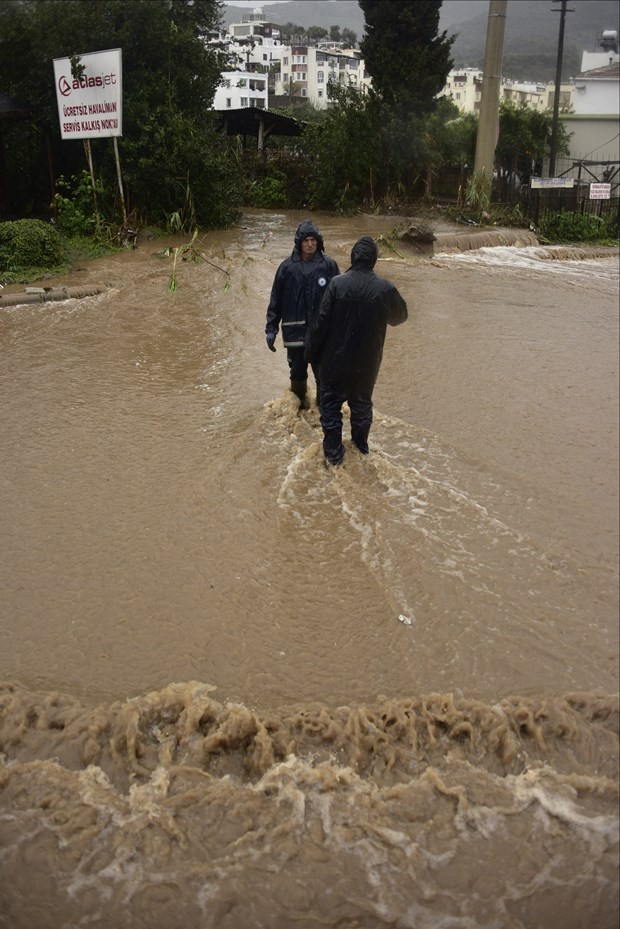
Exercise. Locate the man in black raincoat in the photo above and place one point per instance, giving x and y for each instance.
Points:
(297, 291)
(346, 340)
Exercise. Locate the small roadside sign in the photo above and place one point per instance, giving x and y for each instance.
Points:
(600, 191)
(540, 183)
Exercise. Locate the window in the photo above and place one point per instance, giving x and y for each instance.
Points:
(242, 82)
(320, 94)
(304, 92)
(285, 61)
(228, 102)
(244, 101)
(320, 76)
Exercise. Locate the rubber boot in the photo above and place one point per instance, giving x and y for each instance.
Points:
(300, 389)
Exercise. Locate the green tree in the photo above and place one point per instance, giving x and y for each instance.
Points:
(171, 154)
(406, 58)
(290, 31)
(524, 141)
(334, 33)
(346, 147)
(349, 38)
(449, 146)
(316, 33)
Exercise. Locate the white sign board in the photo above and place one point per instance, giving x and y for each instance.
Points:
(538, 183)
(90, 105)
(600, 191)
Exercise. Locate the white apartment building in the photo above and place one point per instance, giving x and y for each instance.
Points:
(241, 89)
(255, 26)
(254, 48)
(258, 54)
(306, 72)
(464, 88)
(303, 72)
(606, 55)
(593, 125)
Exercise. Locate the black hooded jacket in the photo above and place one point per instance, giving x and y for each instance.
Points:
(347, 337)
(298, 288)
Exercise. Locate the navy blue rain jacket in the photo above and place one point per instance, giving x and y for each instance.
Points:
(298, 289)
(347, 338)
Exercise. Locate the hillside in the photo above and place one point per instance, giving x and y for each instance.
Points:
(531, 38)
(325, 13)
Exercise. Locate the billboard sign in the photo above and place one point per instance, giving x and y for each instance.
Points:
(90, 105)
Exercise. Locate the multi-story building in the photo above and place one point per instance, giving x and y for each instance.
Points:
(240, 89)
(593, 124)
(464, 88)
(297, 71)
(254, 50)
(307, 71)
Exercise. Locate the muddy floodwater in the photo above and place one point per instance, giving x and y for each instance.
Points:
(241, 690)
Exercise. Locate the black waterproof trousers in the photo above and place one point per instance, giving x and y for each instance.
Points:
(331, 421)
(298, 367)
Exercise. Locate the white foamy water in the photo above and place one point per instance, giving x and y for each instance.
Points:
(568, 262)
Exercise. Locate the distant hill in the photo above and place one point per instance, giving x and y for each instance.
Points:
(325, 13)
(530, 42)
(531, 37)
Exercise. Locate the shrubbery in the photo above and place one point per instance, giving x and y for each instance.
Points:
(30, 243)
(75, 205)
(269, 192)
(572, 227)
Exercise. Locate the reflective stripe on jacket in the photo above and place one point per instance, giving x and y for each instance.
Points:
(298, 289)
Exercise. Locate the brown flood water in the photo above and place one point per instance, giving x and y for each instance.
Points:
(242, 691)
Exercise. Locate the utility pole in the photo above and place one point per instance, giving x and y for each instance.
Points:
(488, 122)
(558, 84)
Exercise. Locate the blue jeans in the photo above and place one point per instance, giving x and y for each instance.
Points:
(331, 421)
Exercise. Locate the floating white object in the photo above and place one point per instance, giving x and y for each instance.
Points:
(404, 619)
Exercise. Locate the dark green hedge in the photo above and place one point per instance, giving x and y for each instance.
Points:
(30, 243)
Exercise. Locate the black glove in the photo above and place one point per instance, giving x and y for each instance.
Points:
(271, 337)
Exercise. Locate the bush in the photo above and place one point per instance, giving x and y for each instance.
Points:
(269, 193)
(76, 207)
(568, 227)
(30, 243)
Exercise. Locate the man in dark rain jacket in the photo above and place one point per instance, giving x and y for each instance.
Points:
(298, 288)
(347, 340)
